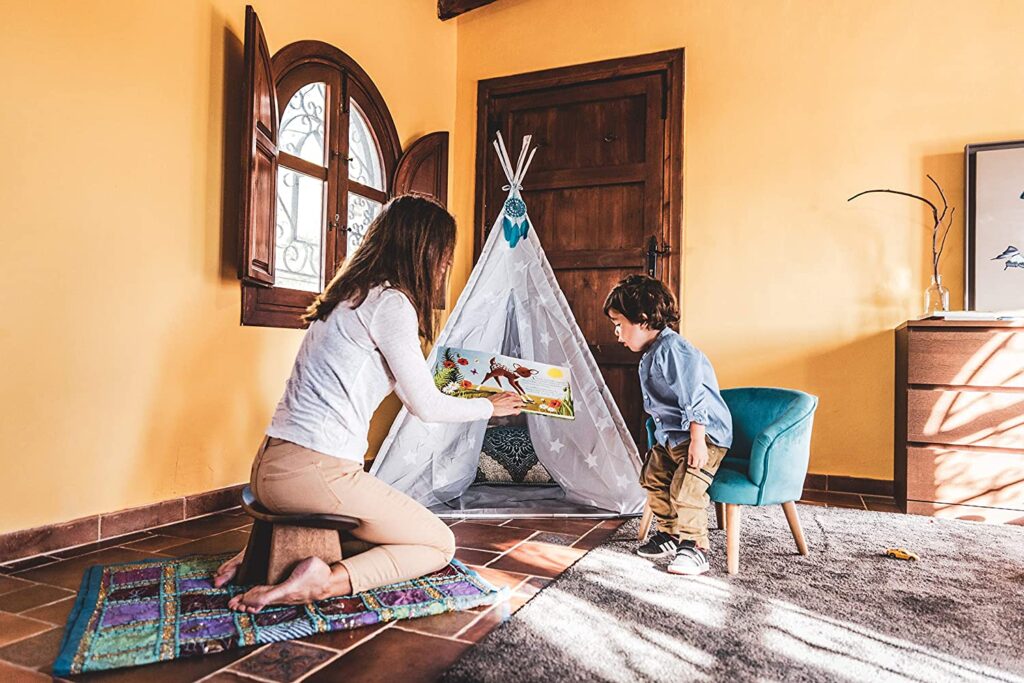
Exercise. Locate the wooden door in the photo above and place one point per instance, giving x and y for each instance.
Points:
(604, 190)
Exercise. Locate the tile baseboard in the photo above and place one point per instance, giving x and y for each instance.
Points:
(16, 545)
(816, 482)
(28, 542)
(842, 484)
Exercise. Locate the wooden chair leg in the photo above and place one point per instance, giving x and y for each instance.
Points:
(732, 537)
(794, 526)
(645, 523)
(720, 514)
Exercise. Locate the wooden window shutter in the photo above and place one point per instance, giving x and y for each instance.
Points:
(423, 168)
(259, 158)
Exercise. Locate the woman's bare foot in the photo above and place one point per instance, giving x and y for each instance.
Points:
(308, 582)
(227, 571)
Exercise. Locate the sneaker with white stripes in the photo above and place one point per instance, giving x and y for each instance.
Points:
(660, 544)
(690, 560)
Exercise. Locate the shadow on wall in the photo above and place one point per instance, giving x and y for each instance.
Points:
(209, 412)
(231, 150)
(884, 304)
(853, 426)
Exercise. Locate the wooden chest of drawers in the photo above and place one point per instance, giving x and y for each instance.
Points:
(959, 431)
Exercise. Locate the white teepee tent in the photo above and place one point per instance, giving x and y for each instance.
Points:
(513, 305)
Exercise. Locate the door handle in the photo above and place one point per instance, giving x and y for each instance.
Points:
(653, 252)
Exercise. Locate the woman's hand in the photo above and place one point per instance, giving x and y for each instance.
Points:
(506, 403)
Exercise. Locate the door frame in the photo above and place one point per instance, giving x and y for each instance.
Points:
(669, 64)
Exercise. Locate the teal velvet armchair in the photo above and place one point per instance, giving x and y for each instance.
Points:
(767, 463)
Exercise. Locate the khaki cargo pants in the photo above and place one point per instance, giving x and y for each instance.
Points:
(677, 493)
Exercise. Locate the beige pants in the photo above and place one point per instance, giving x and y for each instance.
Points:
(677, 493)
(403, 539)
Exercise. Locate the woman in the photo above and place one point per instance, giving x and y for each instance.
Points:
(363, 342)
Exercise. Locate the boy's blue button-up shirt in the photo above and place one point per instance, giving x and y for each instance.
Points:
(679, 387)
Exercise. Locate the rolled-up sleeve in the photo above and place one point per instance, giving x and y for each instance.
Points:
(682, 371)
(680, 389)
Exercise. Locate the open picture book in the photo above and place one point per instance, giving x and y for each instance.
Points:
(545, 389)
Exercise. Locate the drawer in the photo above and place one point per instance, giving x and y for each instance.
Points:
(976, 418)
(982, 358)
(961, 477)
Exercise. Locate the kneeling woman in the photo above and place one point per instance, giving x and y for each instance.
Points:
(363, 342)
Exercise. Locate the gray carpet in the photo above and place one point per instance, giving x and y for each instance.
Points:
(842, 613)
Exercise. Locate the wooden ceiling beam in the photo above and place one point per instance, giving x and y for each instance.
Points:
(448, 9)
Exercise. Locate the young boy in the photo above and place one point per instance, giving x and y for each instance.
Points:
(693, 427)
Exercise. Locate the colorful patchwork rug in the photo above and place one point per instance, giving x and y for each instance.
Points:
(157, 610)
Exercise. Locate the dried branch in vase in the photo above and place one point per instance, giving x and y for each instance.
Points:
(938, 218)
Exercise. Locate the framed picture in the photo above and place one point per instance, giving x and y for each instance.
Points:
(994, 246)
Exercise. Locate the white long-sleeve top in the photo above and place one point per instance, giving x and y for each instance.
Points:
(348, 363)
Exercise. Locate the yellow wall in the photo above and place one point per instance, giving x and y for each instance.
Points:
(126, 377)
(790, 108)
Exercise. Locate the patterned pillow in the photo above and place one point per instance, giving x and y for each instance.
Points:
(508, 458)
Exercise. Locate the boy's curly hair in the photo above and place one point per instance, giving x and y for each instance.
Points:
(643, 299)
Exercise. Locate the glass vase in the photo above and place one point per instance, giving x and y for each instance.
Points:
(936, 297)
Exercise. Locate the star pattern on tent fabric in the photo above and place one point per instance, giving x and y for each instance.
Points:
(517, 283)
(409, 456)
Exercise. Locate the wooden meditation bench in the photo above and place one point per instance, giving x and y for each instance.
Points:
(279, 542)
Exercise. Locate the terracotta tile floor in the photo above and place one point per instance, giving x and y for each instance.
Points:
(36, 595)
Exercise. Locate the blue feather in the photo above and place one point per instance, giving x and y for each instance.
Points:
(506, 225)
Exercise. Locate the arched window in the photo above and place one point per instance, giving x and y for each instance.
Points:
(301, 188)
(366, 176)
(336, 159)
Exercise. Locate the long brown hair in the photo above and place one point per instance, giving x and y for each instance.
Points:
(407, 246)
